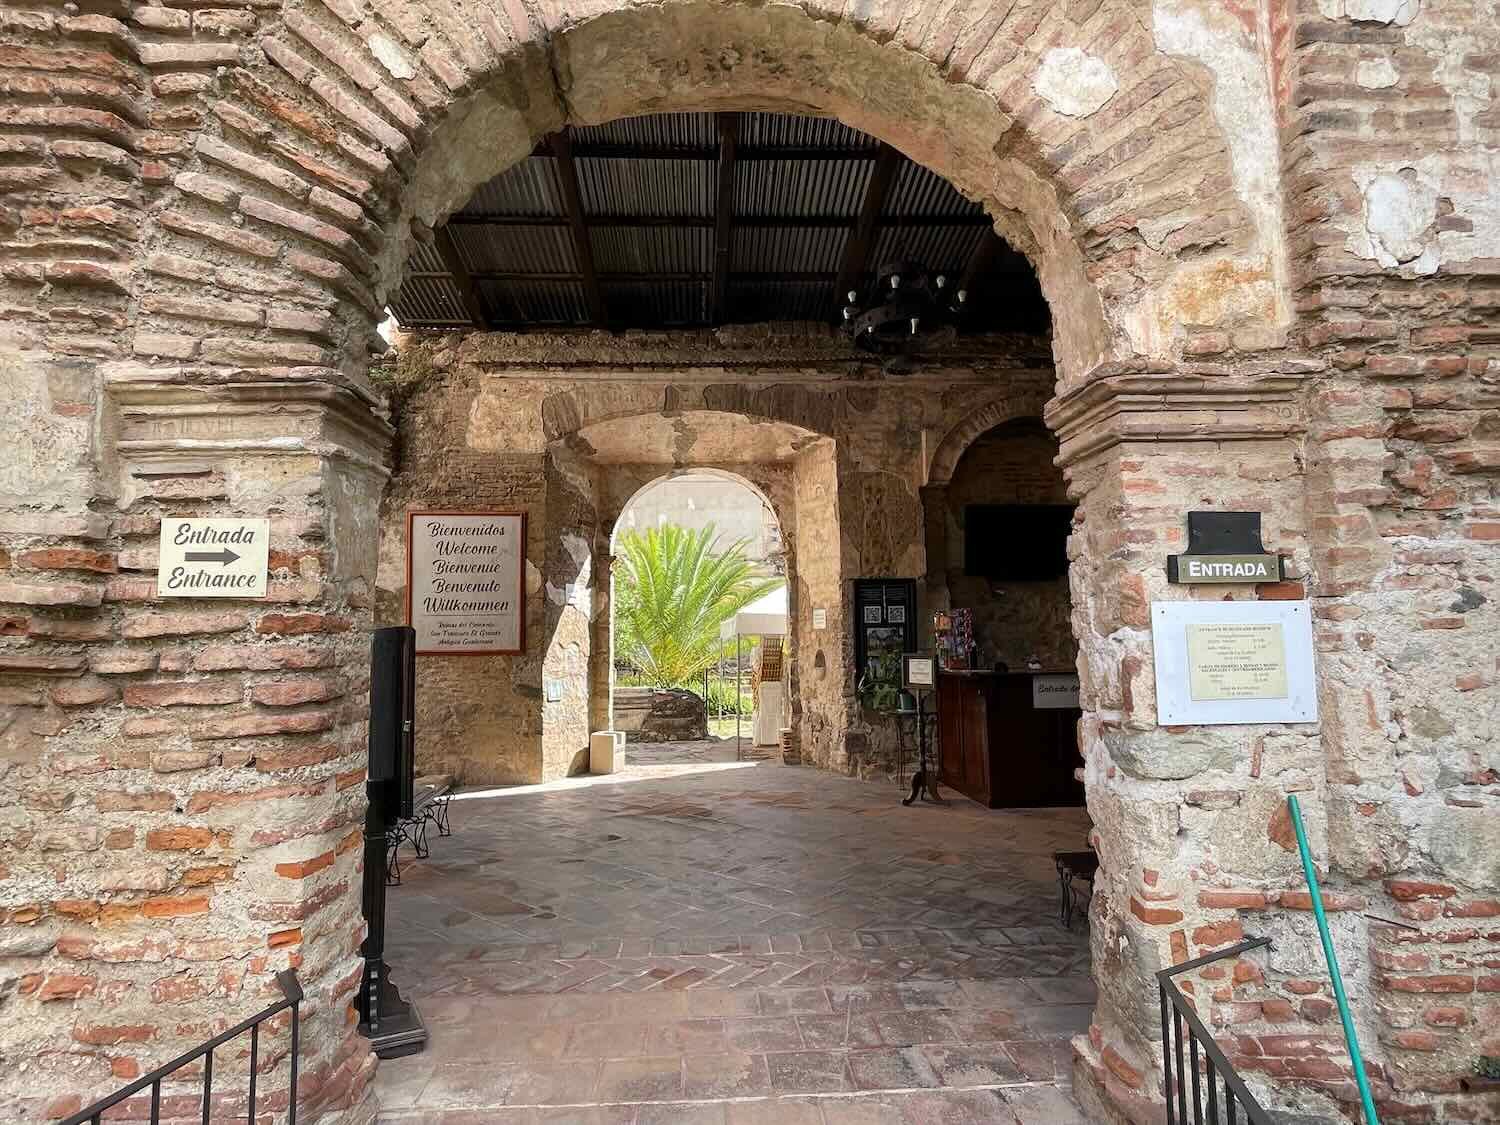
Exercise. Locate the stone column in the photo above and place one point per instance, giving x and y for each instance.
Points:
(187, 774)
(935, 594)
(1184, 818)
(566, 644)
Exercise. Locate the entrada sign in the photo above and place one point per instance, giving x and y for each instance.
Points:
(1224, 547)
(1224, 568)
(213, 558)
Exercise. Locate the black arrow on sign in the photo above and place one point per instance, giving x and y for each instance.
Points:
(223, 556)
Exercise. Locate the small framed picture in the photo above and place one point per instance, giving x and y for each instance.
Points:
(874, 615)
(896, 614)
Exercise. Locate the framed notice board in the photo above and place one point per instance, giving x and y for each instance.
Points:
(885, 627)
(465, 581)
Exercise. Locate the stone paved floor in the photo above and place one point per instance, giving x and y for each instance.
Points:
(699, 940)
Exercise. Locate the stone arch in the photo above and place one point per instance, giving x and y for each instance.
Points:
(341, 133)
(951, 449)
(571, 414)
(711, 470)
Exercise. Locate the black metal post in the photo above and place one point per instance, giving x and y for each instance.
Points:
(392, 1025)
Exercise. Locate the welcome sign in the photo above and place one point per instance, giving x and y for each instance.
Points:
(465, 575)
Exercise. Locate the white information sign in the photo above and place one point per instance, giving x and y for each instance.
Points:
(820, 619)
(920, 670)
(213, 558)
(1054, 693)
(464, 577)
(1233, 662)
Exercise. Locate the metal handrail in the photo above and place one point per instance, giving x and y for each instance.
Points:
(291, 992)
(1175, 1011)
(1331, 958)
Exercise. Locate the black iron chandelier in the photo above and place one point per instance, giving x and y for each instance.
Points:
(909, 310)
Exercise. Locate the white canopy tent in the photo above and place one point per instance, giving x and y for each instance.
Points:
(764, 617)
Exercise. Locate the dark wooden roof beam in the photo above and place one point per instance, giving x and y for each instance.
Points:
(718, 289)
(862, 241)
(583, 251)
(453, 262)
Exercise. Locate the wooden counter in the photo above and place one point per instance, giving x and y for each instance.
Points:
(995, 747)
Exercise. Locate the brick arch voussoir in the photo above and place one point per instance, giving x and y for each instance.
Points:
(312, 177)
(957, 440)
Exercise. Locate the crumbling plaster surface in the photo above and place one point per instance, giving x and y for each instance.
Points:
(1235, 57)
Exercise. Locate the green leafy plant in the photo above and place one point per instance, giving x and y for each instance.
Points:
(724, 700)
(674, 589)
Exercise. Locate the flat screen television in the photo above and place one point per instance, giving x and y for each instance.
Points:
(1016, 542)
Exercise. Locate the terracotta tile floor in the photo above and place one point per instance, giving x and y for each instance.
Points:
(696, 939)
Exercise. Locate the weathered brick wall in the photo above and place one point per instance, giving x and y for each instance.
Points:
(186, 777)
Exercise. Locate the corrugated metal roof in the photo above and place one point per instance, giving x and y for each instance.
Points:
(658, 303)
(801, 187)
(940, 249)
(533, 302)
(789, 250)
(920, 191)
(507, 249)
(652, 249)
(656, 130)
(648, 189)
(529, 187)
(789, 130)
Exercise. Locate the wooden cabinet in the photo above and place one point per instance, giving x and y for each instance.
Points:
(999, 750)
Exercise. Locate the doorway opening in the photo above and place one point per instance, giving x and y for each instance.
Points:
(731, 929)
(1005, 614)
(698, 618)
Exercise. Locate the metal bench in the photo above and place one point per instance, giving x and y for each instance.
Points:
(429, 810)
(1071, 866)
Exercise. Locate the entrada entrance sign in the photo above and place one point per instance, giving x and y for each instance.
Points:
(464, 581)
(213, 558)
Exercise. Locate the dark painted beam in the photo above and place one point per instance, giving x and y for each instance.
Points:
(718, 290)
(453, 262)
(986, 250)
(862, 241)
(583, 251)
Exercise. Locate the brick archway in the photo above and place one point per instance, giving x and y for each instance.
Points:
(951, 449)
(205, 210)
(343, 134)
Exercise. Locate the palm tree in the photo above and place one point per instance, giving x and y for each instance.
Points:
(675, 590)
